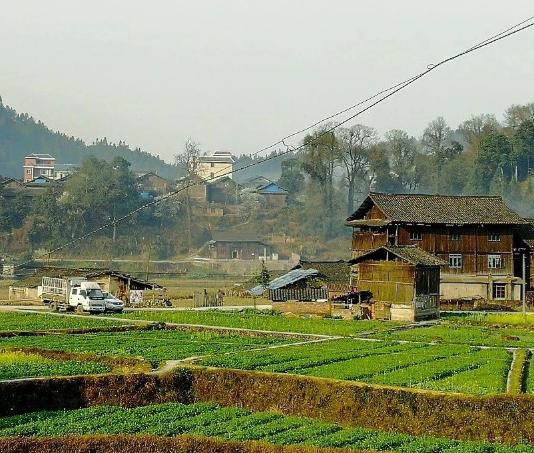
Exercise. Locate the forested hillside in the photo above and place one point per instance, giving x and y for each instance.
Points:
(21, 134)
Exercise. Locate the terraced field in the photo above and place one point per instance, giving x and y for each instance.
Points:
(20, 321)
(263, 320)
(206, 419)
(155, 345)
(16, 365)
(454, 368)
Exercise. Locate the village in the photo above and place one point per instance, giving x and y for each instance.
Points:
(266, 227)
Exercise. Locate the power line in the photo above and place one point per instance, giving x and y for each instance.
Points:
(390, 92)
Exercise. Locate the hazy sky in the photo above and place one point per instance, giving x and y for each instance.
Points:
(239, 75)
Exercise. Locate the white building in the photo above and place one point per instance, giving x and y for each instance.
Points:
(216, 165)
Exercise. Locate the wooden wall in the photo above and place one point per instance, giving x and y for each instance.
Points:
(389, 281)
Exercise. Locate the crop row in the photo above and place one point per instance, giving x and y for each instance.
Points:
(469, 335)
(456, 368)
(263, 320)
(173, 419)
(19, 321)
(16, 365)
(155, 346)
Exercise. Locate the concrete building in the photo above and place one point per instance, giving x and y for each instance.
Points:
(36, 165)
(216, 165)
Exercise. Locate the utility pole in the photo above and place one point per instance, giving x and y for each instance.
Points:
(148, 261)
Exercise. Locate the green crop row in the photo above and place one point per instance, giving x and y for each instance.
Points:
(205, 419)
(459, 334)
(16, 365)
(455, 368)
(155, 346)
(19, 321)
(263, 320)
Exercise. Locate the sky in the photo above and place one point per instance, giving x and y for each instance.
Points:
(239, 75)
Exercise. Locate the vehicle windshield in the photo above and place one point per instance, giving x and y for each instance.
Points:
(95, 294)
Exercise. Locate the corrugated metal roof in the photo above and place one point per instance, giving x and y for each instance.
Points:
(291, 277)
(440, 209)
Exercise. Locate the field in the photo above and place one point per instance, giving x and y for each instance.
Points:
(263, 320)
(494, 336)
(154, 345)
(174, 419)
(438, 367)
(19, 321)
(494, 318)
(16, 365)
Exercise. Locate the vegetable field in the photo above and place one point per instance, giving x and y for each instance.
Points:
(173, 419)
(19, 321)
(469, 335)
(454, 368)
(263, 320)
(16, 365)
(155, 345)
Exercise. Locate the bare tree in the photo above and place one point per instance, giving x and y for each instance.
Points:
(189, 160)
(354, 148)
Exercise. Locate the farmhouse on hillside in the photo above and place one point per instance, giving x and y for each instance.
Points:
(227, 245)
(404, 282)
(476, 236)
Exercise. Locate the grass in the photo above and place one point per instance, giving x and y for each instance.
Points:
(16, 365)
(460, 334)
(155, 346)
(263, 320)
(19, 321)
(439, 367)
(173, 419)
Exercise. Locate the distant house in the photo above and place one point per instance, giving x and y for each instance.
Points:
(152, 184)
(36, 165)
(275, 195)
(404, 282)
(216, 165)
(255, 182)
(475, 235)
(224, 191)
(62, 171)
(237, 245)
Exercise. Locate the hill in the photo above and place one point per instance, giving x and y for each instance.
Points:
(21, 134)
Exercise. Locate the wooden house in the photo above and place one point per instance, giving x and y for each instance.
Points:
(404, 282)
(237, 245)
(153, 184)
(473, 235)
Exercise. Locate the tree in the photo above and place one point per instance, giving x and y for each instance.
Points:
(476, 128)
(402, 150)
(515, 115)
(353, 152)
(189, 161)
(264, 276)
(319, 161)
(523, 152)
(291, 178)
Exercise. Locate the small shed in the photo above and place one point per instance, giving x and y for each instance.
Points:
(404, 282)
(336, 275)
(237, 245)
(297, 285)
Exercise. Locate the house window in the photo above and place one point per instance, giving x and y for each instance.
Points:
(455, 237)
(494, 262)
(499, 291)
(494, 237)
(212, 164)
(212, 175)
(416, 236)
(235, 254)
(28, 171)
(455, 261)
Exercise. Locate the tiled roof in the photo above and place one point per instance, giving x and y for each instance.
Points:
(334, 271)
(410, 253)
(440, 209)
(526, 232)
(233, 236)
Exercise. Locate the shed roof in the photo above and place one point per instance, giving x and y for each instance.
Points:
(271, 189)
(291, 277)
(410, 253)
(439, 209)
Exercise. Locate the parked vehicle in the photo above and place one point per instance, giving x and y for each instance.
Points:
(113, 304)
(73, 294)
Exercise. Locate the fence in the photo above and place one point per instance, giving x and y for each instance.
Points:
(205, 299)
(300, 294)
